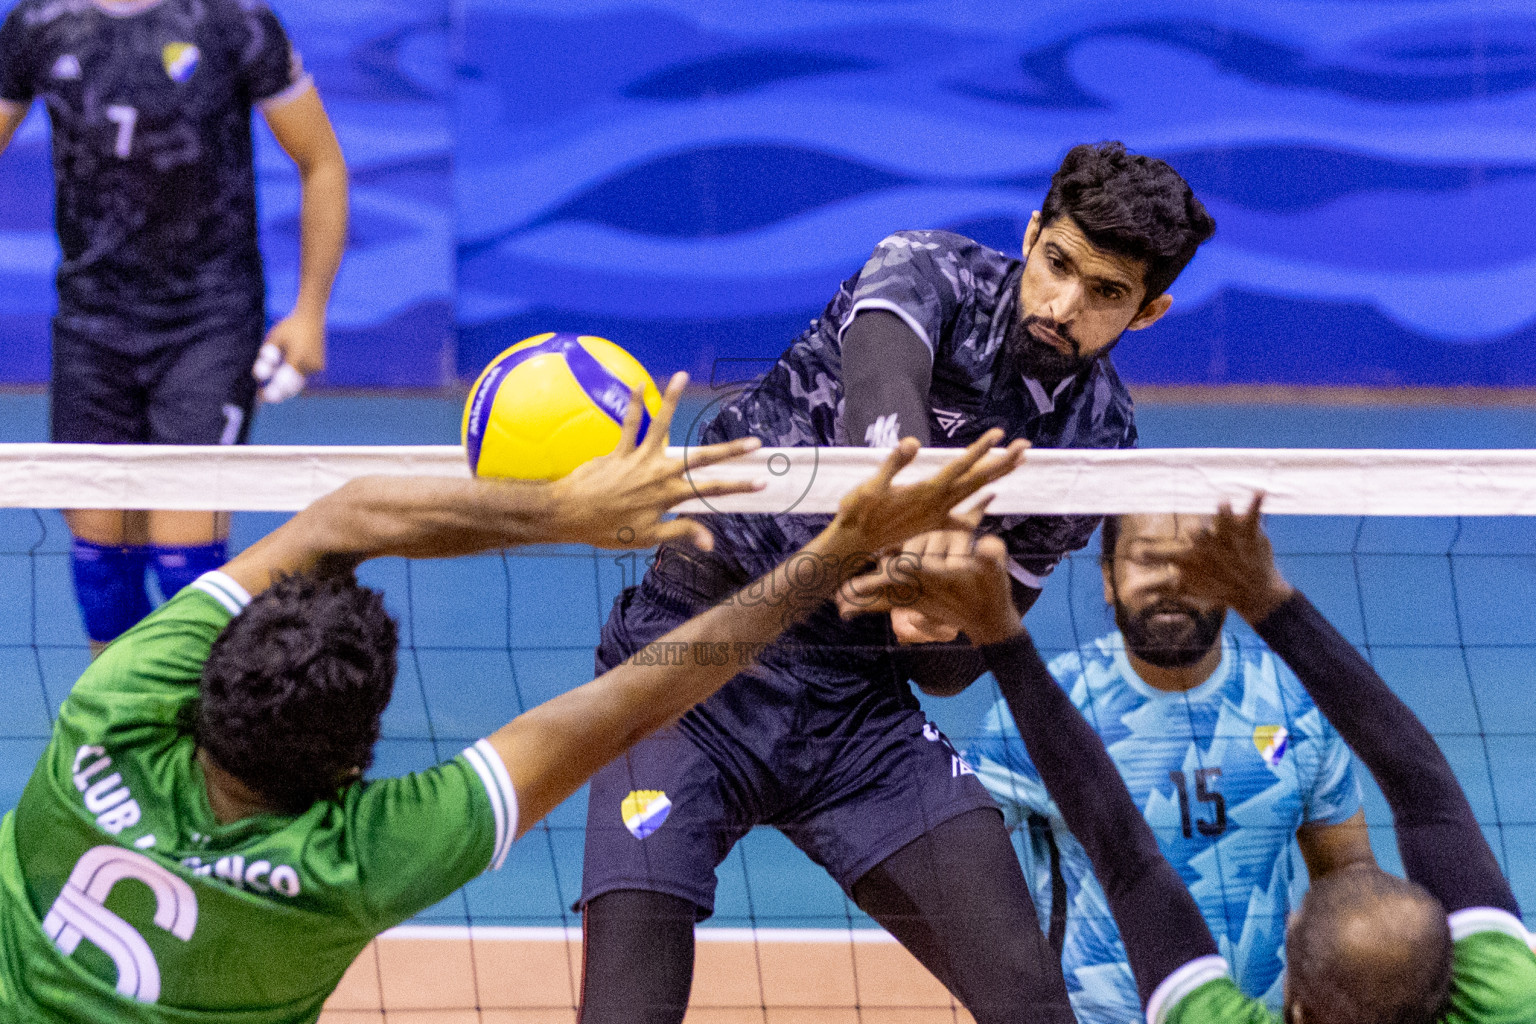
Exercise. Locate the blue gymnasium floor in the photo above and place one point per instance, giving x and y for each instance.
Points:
(486, 637)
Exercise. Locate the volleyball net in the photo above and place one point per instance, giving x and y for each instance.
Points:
(1426, 560)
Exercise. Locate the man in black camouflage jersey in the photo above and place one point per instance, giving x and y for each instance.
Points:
(939, 338)
(161, 298)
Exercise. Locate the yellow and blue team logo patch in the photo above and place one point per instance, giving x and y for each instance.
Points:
(1272, 742)
(644, 811)
(180, 60)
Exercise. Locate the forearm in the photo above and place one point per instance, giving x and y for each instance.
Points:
(412, 517)
(1442, 846)
(887, 375)
(323, 231)
(429, 517)
(1330, 848)
(1159, 921)
(553, 749)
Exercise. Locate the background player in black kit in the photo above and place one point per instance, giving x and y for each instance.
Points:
(161, 297)
(940, 338)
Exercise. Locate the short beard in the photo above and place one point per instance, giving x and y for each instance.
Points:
(1170, 645)
(1032, 357)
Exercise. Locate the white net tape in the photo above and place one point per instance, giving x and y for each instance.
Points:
(1373, 482)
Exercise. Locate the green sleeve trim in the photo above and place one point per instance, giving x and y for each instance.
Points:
(482, 757)
(224, 590)
(1477, 920)
(1182, 984)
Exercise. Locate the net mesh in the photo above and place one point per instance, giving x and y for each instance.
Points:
(1441, 605)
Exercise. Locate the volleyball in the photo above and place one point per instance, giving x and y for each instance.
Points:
(550, 403)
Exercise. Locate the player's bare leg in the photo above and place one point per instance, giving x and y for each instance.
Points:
(180, 527)
(109, 526)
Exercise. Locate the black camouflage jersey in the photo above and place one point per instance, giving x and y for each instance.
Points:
(959, 297)
(152, 155)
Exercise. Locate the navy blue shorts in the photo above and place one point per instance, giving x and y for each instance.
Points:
(189, 392)
(849, 781)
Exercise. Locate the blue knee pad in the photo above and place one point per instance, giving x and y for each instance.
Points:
(109, 584)
(176, 567)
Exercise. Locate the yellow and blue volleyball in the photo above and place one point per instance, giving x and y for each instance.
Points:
(550, 403)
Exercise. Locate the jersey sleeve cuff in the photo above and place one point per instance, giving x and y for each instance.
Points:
(280, 99)
(1034, 581)
(224, 590)
(1183, 982)
(1338, 817)
(1476, 920)
(482, 757)
(890, 307)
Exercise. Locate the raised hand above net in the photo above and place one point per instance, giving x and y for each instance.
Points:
(1233, 562)
(885, 514)
(621, 499)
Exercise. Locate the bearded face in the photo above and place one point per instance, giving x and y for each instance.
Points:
(1169, 633)
(1162, 625)
(1046, 350)
(1075, 300)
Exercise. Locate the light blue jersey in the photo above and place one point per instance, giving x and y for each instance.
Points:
(1225, 774)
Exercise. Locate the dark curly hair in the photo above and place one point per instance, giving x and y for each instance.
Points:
(292, 695)
(1133, 205)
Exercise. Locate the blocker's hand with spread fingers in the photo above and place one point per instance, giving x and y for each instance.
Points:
(883, 515)
(620, 500)
(894, 581)
(910, 625)
(958, 586)
(1233, 562)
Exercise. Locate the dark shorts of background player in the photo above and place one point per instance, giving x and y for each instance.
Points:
(197, 391)
(848, 799)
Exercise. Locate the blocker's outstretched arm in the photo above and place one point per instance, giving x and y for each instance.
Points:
(1443, 848)
(617, 501)
(552, 750)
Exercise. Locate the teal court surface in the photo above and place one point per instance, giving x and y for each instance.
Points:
(1445, 608)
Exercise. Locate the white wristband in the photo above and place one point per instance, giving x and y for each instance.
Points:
(281, 381)
(285, 383)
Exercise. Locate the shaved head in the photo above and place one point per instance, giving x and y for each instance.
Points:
(1367, 948)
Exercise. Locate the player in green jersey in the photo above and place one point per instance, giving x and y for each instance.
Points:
(195, 844)
(1444, 947)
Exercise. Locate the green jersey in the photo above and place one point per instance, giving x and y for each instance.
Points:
(1493, 981)
(122, 897)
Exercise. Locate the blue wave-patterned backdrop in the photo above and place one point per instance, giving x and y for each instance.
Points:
(692, 177)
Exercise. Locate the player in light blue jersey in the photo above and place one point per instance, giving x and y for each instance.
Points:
(1221, 748)
(1444, 946)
